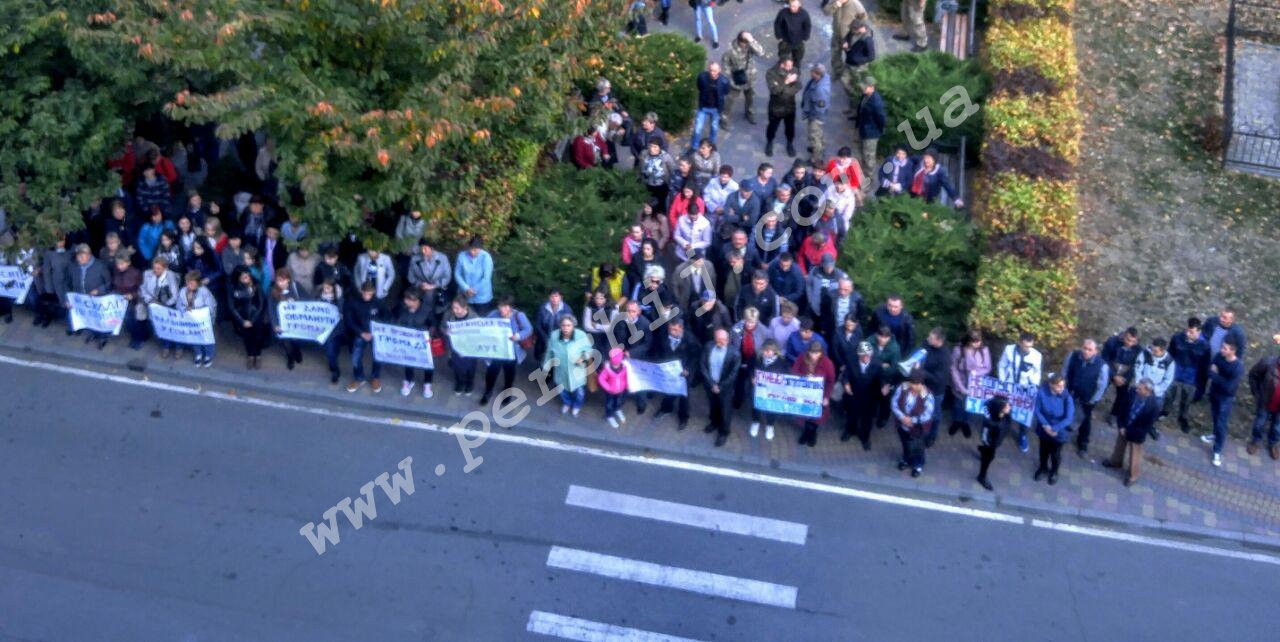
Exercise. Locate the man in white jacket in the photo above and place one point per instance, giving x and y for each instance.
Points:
(1155, 363)
(376, 267)
(1022, 364)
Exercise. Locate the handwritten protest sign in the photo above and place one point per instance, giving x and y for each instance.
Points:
(97, 313)
(402, 346)
(193, 327)
(14, 283)
(482, 338)
(308, 320)
(788, 394)
(643, 376)
(1022, 398)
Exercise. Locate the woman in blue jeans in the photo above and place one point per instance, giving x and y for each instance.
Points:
(568, 354)
(704, 9)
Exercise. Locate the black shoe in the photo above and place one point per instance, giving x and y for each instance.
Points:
(697, 38)
(846, 436)
(1109, 464)
(1082, 453)
(915, 472)
(1155, 434)
(901, 36)
(928, 443)
(709, 428)
(751, 118)
(484, 399)
(640, 410)
(660, 414)
(333, 376)
(866, 445)
(791, 150)
(1128, 482)
(955, 428)
(902, 465)
(102, 343)
(36, 321)
(715, 44)
(985, 484)
(8, 318)
(768, 148)
(1184, 426)
(1053, 479)
(1039, 474)
(720, 439)
(88, 338)
(682, 425)
(289, 363)
(968, 432)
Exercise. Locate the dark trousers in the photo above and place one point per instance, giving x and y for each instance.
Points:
(255, 338)
(912, 449)
(292, 352)
(1050, 455)
(680, 404)
(508, 370)
(1085, 410)
(721, 409)
(859, 415)
(743, 386)
(612, 404)
(464, 373)
(138, 330)
(1267, 422)
(331, 349)
(794, 52)
(789, 127)
(1120, 407)
(986, 455)
(428, 375)
(1221, 409)
(1177, 400)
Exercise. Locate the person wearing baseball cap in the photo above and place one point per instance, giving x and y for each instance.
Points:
(863, 387)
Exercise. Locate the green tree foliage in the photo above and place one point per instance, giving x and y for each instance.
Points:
(657, 74)
(911, 82)
(432, 105)
(60, 118)
(927, 253)
(567, 223)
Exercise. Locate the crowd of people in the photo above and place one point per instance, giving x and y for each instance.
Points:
(726, 276)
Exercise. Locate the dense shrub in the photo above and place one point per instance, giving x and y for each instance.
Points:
(1017, 203)
(1014, 296)
(486, 208)
(659, 74)
(566, 223)
(1045, 46)
(909, 82)
(926, 253)
(1050, 122)
(1017, 10)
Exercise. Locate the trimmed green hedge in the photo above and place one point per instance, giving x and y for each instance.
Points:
(927, 253)
(568, 222)
(909, 82)
(659, 74)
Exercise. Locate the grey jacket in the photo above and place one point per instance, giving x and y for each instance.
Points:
(203, 298)
(55, 274)
(91, 278)
(160, 289)
(435, 271)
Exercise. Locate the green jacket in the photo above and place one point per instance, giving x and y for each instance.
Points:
(842, 17)
(888, 358)
(782, 95)
(739, 57)
(572, 357)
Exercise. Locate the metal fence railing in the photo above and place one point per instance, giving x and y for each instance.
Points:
(1246, 146)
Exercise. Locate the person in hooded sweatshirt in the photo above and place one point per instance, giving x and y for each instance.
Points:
(360, 313)
(414, 314)
(613, 381)
(1055, 410)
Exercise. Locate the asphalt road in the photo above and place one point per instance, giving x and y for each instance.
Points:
(141, 514)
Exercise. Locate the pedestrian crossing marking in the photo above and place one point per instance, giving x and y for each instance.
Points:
(572, 628)
(688, 515)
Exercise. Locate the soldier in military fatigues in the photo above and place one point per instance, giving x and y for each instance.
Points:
(739, 64)
(813, 107)
(843, 13)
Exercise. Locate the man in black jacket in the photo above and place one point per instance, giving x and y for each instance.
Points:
(937, 374)
(361, 311)
(893, 314)
(678, 344)
(1120, 352)
(759, 296)
(719, 365)
(1138, 421)
(863, 389)
(648, 131)
(792, 28)
(415, 315)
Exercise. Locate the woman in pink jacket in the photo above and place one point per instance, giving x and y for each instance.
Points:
(971, 358)
(613, 380)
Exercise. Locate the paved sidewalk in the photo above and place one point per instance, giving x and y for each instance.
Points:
(1179, 491)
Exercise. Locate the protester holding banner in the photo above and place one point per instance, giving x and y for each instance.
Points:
(249, 315)
(768, 359)
(521, 334)
(126, 280)
(815, 363)
(331, 293)
(995, 425)
(681, 345)
(160, 287)
(971, 358)
(283, 288)
(569, 352)
(864, 387)
(914, 411)
(720, 364)
(413, 314)
(90, 277)
(197, 297)
(203, 261)
(360, 313)
(464, 368)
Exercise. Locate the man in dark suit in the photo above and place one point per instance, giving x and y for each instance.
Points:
(1137, 422)
(863, 389)
(633, 334)
(678, 344)
(720, 363)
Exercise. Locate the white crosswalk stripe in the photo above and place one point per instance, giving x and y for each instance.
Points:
(687, 515)
(572, 628)
(714, 584)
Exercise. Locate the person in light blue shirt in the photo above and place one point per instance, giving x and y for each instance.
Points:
(473, 273)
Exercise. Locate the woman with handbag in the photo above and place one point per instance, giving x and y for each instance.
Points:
(522, 338)
(569, 352)
(464, 368)
(160, 286)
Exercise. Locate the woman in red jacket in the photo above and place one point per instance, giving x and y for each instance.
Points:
(815, 363)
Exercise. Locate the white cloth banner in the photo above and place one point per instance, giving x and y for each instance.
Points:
(643, 376)
(402, 346)
(1022, 399)
(482, 338)
(192, 328)
(788, 394)
(14, 283)
(308, 320)
(97, 313)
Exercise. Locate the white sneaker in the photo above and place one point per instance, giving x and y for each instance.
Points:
(768, 433)
(1217, 459)
(622, 419)
(1208, 439)
(576, 411)
(564, 410)
(755, 429)
(406, 388)
(613, 423)
(427, 393)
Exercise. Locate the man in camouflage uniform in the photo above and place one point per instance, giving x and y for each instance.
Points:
(813, 107)
(739, 64)
(913, 23)
(843, 13)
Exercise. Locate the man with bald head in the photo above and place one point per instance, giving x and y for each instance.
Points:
(720, 364)
(1087, 375)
